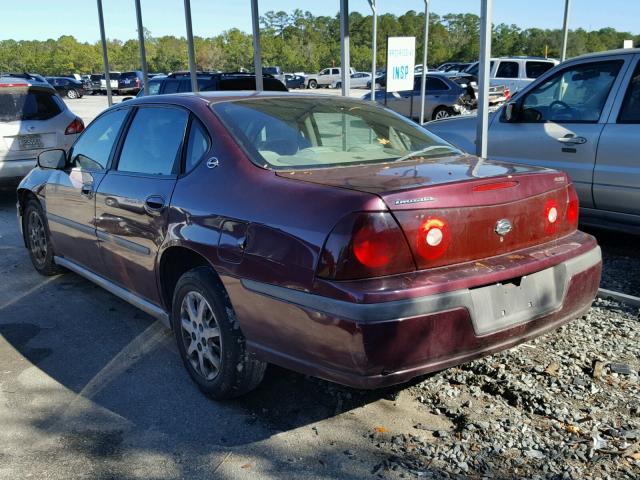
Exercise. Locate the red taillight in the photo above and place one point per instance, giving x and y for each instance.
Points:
(432, 238)
(573, 206)
(507, 94)
(137, 82)
(365, 245)
(15, 84)
(74, 127)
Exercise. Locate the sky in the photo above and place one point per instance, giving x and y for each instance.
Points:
(43, 19)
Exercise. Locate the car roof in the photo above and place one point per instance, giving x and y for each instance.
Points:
(618, 51)
(215, 97)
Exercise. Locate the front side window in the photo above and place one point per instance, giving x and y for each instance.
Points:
(507, 70)
(574, 95)
(325, 72)
(154, 141)
(93, 148)
(630, 111)
(285, 134)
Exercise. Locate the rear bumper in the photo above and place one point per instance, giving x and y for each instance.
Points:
(11, 171)
(371, 345)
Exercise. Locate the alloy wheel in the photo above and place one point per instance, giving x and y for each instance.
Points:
(37, 237)
(200, 335)
(442, 114)
(72, 94)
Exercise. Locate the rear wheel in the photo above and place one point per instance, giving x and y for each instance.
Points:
(441, 112)
(339, 85)
(210, 342)
(72, 93)
(313, 84)
(38, 240)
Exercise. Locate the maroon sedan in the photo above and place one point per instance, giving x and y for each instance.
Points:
(325, 235)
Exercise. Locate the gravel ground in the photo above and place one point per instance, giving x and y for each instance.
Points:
(566, 405)
(621, 257)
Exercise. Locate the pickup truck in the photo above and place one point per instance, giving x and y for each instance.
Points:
(583, 117)
(325, 78)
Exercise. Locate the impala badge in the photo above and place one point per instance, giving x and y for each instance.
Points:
(503, 227)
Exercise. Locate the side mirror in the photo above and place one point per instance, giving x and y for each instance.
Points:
(55, 159)
(511, 112)
(126, 98)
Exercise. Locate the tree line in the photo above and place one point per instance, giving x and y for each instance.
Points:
(300, 41)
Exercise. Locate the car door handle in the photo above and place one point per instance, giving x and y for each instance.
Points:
(86, 190)
(572, 139)
(154, 204)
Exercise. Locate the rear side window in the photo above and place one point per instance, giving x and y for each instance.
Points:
(154, 141)
(93, 148)
(630, 111)
(535, 69)
(507, 70)
(21, 104)
(154, 87)
(198, 145)
(436, 84)
(171, 85)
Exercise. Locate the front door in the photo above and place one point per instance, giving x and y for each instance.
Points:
(132, 202)
(616, 178)
(560, 122)
(70, 193)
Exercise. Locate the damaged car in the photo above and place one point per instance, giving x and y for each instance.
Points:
(326, 235)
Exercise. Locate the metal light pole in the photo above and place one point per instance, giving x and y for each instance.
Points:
(192, 53)
(257, 49)
(423, 81)
(105, 57)
(344, 47)
(374, 47)
(565, 30)
(486, 12)
(143, 55)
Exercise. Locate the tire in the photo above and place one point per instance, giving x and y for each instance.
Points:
(72, 93)
(338, 85)
(312, 84)
(441, 112)
(212, 337)
(38, 240)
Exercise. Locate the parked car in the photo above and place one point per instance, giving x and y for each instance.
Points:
(325, 78)
(32, 118)
(96, 81)
(357, 80)
(275, 72)
(323, 234)
(454, 67)
(582, 117)
(30, 78)
(444, 98)
(514, 73)
(207, 82)
(130, 83)
(114, 82)
(294, 81)
(67, 87)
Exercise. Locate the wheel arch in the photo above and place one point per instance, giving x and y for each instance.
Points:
(24, 195)
(174, 262)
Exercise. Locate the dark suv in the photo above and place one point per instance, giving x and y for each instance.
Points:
(208, 82)
(130, 83)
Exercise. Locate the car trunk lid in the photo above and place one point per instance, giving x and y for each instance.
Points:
(485, 208)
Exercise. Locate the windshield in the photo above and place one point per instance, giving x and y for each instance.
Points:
(21, 104)
(290, 133)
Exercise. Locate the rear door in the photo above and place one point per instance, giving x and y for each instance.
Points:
(561, 120)
(616, 178)
(132, 200)
(70, 193)
(508, 74)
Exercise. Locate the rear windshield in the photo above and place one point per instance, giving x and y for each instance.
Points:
(301, 133)
(21, 104)
(95, 78)
(128, 75)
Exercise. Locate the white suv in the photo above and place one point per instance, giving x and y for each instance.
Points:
(515, 73)
(33, 118)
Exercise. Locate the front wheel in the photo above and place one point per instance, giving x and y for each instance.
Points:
(313, 84)
(210, 342)
(72, 93)
(38, 240)
(441, 112)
